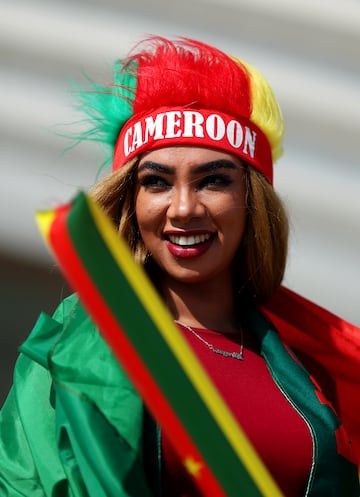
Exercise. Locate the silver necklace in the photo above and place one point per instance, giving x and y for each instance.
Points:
(225, 353)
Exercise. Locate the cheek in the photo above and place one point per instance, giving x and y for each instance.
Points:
(142, 214)
(232, 218)
(230, 210)
(149, 213)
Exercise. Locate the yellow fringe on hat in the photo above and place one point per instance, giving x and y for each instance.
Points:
(266, 112)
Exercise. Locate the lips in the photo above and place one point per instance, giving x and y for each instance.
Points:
(187, 245)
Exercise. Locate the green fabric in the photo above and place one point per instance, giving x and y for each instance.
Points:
(60, 432)
(29, 461)
(72, 424)
(94, 455)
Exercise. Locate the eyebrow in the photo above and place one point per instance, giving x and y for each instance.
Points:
(201, 168)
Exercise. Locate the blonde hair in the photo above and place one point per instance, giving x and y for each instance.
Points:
(263, 252)
(260, 264)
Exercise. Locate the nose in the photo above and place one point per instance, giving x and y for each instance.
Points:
(185, 205)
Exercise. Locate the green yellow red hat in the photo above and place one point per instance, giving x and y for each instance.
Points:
(185, 92)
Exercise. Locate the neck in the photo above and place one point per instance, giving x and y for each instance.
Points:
(202, 305)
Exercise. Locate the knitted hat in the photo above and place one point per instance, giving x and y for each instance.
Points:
(185, 92)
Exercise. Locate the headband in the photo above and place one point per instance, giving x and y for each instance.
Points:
(173, 126)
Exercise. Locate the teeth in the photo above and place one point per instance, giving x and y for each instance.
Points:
(188, 240)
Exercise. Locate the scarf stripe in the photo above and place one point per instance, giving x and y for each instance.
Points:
(139, 331)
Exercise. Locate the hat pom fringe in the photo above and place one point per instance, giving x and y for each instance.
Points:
(266, 111)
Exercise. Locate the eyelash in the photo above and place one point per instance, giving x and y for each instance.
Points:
(213, 180)
(153, 181)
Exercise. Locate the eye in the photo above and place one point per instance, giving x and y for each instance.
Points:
(215, 181)
(153, 181)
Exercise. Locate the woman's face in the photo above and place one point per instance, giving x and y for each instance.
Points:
(190, 209)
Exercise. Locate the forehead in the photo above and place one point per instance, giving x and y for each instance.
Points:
(187, 156)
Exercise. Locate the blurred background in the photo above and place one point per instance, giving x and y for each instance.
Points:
(308, 50)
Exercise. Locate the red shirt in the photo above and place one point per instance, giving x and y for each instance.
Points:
(270, 421)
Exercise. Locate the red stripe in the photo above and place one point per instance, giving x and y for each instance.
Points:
(77, 276)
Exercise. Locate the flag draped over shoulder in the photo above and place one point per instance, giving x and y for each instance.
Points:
(177, 390)
(329, 342)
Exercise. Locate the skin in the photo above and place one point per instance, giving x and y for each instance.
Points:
(193, 196)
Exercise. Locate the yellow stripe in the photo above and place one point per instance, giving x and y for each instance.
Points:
(44, 220)
(199, 378)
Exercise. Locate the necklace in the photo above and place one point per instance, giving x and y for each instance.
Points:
(225, 353)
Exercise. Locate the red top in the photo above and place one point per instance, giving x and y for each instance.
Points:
(270, 421)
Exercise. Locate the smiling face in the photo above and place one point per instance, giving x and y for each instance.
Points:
(191, 213)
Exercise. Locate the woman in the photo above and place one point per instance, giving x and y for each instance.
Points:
(195, 133)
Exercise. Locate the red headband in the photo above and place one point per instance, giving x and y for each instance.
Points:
(172, 126)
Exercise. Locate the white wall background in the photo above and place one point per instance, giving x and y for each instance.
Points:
(310, 52)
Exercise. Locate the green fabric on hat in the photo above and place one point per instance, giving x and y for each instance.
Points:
(106, 108)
